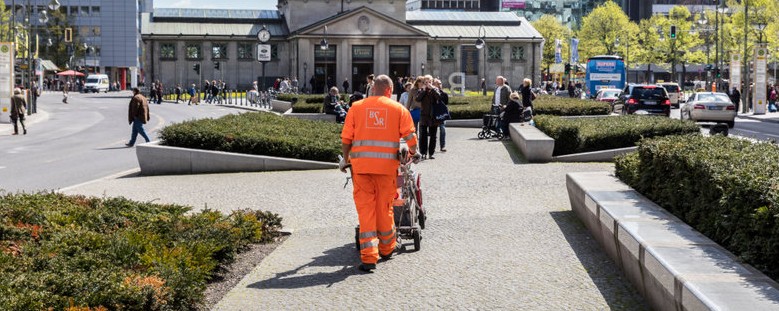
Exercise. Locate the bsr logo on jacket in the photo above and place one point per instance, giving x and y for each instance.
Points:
(377, 118)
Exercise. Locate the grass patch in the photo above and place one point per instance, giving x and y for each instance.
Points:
(594, 134)
(259, 134)
(725, 188)
(59, 252)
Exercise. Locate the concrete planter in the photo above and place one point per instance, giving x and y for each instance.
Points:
(673, 266)
(468, 123)
(155, 159)
(534, 144)
(280, 106)
(594, 156)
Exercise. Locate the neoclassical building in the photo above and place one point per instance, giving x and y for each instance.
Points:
(363, 37)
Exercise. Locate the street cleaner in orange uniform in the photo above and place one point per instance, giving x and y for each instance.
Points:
(370, 143)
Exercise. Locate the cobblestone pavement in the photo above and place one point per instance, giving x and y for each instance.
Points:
(501, 235)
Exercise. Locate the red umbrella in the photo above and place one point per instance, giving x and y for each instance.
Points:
(70, 73)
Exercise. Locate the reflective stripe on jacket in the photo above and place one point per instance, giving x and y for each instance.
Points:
(374, 127)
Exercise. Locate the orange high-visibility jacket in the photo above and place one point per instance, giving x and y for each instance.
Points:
(374, 127)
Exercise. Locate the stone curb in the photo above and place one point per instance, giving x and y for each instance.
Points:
(535, 146)
(673, 266)
(155, 159)
(594, 156)
(466, 123)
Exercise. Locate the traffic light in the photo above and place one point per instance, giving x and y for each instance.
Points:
(196, 67)
(216, 65)
(68, 34)
(673, 32)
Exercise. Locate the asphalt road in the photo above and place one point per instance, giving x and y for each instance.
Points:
(759, 130)
(83, 140)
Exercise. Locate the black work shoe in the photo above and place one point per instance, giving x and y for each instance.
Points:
(386, 257)
(367, 267)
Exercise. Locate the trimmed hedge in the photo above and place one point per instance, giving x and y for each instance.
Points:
(594, 134)
(259, 134)
(728, 189)
(61, 252)
(307, 103)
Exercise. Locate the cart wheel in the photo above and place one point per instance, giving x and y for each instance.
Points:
(417, 240)
(357, 238)
(481, 135)
(499, 135)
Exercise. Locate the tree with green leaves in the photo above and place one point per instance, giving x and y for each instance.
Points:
(59, 51)
(552, 29)
(607, 30)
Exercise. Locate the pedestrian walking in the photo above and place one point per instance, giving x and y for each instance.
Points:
(178, 92)
(370, 141)
(346, 85)
(137, 116)
(500, 98)
(18, 111)
(65, 93)
(735, 97)
(193, 96)
(369, 84)
(442, 128)
(428, 95)
(207, 91)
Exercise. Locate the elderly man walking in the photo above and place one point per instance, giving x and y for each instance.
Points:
(138, 115)
(18, 110)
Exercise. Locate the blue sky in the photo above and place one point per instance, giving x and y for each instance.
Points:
(216, 4)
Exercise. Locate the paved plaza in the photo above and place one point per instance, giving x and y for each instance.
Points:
(501, 236)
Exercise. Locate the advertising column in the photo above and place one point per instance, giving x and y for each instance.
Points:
(759, 95)
(735, 72)
(6, 80)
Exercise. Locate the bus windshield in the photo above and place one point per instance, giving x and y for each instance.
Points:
(604, 72)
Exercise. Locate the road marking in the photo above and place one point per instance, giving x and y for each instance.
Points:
(754, 132)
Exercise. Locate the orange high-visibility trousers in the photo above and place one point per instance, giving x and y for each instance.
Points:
(373, 197)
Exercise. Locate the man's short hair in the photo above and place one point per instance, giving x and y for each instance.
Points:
(370, 77)
(17, 91)
(381, 84)
(136, 91)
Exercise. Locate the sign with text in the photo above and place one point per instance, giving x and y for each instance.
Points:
(470, 60)
(400, 53)
(362, 53)
(6, 80)
(759, 95)
(263, 52)
(513, 4)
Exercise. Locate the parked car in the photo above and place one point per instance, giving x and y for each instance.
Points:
(710, 107)
(643, 99)
(674, 92)
(97, 83)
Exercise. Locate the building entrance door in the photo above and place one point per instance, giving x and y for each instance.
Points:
(324, 69)
(360, 74)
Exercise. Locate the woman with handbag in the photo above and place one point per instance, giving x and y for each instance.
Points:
(428, 95)
(412, 104)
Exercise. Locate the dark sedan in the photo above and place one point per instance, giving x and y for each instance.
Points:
(643, 99)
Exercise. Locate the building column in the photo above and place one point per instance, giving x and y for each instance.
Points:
(133, 77)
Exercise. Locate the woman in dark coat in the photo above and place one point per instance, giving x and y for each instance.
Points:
(512, 113)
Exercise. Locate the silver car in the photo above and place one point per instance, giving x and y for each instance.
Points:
(709, 107)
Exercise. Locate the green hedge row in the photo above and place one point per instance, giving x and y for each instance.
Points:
(58, 252)
(728, 189)
(593, 134)
(259, 134)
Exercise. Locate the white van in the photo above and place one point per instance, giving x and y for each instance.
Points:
(96, 83)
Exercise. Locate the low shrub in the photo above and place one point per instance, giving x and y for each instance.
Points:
(59, 251)
(593, 134)
(728, 189)
(259, 134)
(307, 103)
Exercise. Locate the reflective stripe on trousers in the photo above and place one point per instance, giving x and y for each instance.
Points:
(373, 196)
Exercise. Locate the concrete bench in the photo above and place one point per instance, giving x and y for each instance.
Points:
(673, 266)
(534, 144)
(311, 116)
(155, 159)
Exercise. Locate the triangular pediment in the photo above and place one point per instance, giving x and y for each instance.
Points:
(362, 21)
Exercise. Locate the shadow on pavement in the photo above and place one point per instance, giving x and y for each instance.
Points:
(516, 156)
(334, 266)
(602, 270)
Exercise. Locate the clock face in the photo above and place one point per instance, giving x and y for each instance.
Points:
(263, 35)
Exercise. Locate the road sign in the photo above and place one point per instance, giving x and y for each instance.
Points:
(263, 52)
(760, 95)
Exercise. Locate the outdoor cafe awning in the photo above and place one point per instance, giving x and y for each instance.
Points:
(49, 65)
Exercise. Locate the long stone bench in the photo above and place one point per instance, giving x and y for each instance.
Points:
(155, 159)
(280, 106)
(673, 266)
(534, 144)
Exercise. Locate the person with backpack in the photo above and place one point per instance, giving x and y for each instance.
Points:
(193, 96)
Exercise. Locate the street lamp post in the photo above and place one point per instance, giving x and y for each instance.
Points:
(324, 46)
(745, 90)
(305, 76)
(481, 45)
